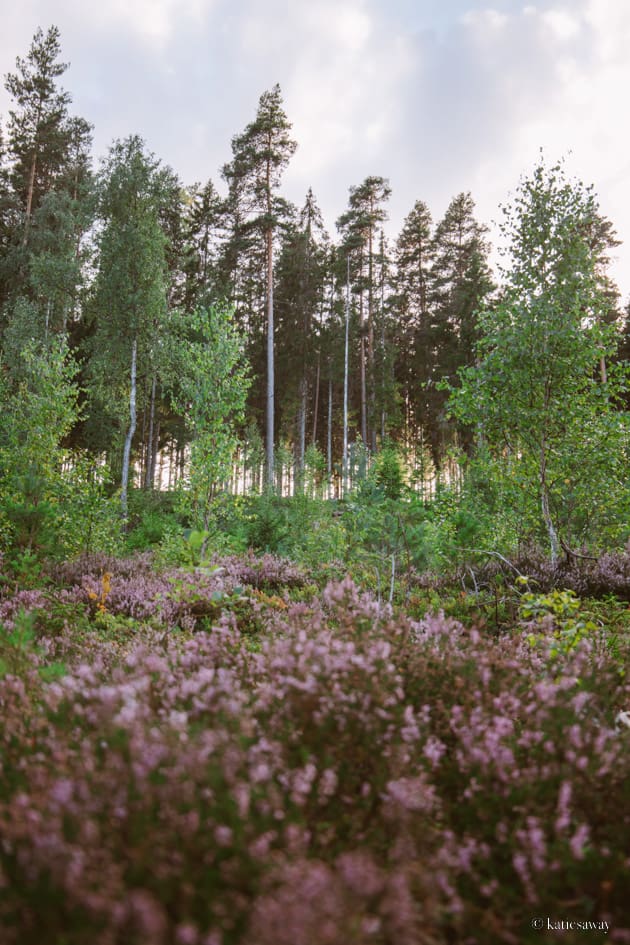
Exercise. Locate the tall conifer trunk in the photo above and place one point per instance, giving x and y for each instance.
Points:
(329, 434)
(270, 364)
(370, 345)
(364, 429)
(301, 450)
(130, 433)
(344, 472)
(150, 460)
(259, 156)
(29, 196)
(154, 456)
(316, 403)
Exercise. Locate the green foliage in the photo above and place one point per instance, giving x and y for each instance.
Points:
(321, 541)
(152, 515)
(24, 568)
(52, 502)
(268, 528)
(559, 620)
(19, 652)
(386, 537)
(540, 399)
(31, 516)
(149, 531)
(40, 409)
(209, 385)
(388, 472)
(562, 627)
(226, 532)
(173, 549)
(314, 471)
(88, 517)
(129, 301)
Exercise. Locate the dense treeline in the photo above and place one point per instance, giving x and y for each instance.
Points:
(223, 336)
(64, 230)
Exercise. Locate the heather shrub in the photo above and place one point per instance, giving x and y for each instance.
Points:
(586, 575)
(187, 598)
(358, 777)
(522, 760)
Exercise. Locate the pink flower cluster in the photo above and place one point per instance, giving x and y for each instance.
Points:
(174, 597)
(360, 778)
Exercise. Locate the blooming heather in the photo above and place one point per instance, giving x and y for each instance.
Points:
(356, 777)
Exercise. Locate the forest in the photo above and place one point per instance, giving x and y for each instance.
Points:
(314, 552)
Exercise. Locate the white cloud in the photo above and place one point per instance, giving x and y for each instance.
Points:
(154, 22)
(342, 89)
(562, 23)
(487, 19)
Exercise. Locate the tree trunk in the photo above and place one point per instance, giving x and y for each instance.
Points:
(270, 365)
(364, 433)
(154, 455)
(299, 479)
(383, 372)
(344, 462)
(329, 435)
(150, 461)
(130, 432)
(316, 404)
(29, 196)
(143, 440)
(161, 467)
(370, 352)
(544, 503)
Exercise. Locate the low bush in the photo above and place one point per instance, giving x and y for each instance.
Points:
(356, 778)
(582, 572)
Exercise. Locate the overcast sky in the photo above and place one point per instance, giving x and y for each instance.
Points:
(440, 96)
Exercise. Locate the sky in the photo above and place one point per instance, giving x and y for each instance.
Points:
(438, 96)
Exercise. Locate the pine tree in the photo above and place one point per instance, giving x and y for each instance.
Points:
(410, 303)
(260, 154)
(359, 227)
(301, 274)
(460, 281)
(46, 206)
(623, 349)
(203, 224)
(387, 384)
(6, 208)
(39, 133)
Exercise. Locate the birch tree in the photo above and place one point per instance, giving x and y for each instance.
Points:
(547, 413)
(130, 294)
